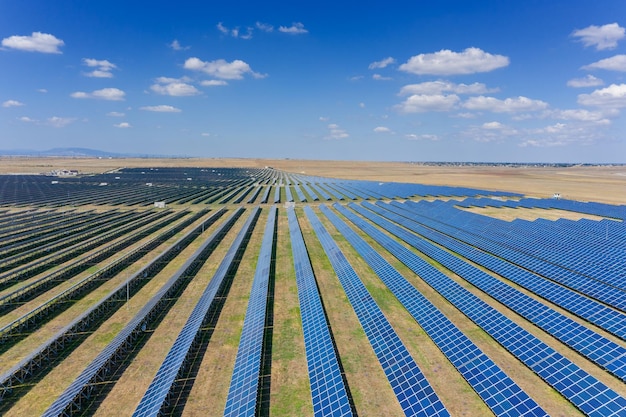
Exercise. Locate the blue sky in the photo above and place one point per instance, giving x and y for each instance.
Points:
(519, 81)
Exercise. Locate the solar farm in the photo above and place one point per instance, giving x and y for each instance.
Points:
(257, 291)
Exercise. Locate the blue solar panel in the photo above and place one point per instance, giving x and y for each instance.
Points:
(242, 394)
(328, 391)
(597, 348)
(157, 393)
(551, 366)
(499, 392)
(71, 396)
(409, 384)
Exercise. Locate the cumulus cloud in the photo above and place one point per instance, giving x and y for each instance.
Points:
(493, 125)
(413, 136)
(123, 125)
(56, 121)
(602, 37)
(265, 27)
(447, 62)
(175, 45)
(613, 96)
(379, 77)
(42, 90)
(115, 114)
(37, 42)
(335, 132)
(439, 87)
(418, 103)
(219, 68)
(103, 68)
(12, 103)
(614, 63)
(588, 81)
(213, 83)
(235, 32)
(113, 94)
(162, 108)
(583, 115)
(176, 87)
(382, 129)
(382, 63)
(509, 105)
(296, 28)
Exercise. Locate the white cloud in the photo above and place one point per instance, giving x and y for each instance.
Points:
(162, 108)
(602, 37)
(176, 87)
(428, 102)
(12, 103)
(175, 45)
(508, 105)
(382, 63)
(103, 70)
(42, 90)
(439, 87)
(324, 119)
(113, 94)
(37, 42)
(379, 77)
(55, 121)
(296, 28)
(614, 63)
(612, 96)
(264, 27)
(115, 114)
(413, 136)
(212, 83)
(382, 129)
(123, 125)
(583, 115)
(493, 125)
(104, 65)
(447, 62)
(205, 134)
(219, 68)
(336, 132)
(588, 81)
(27, 119)
(235, 33)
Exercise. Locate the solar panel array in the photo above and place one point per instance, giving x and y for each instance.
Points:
(457, 239)
(157, 393)
(70, 400)
(242, 394)
(583, 390)
(594, 346)
(413, 391)
(328, 390)
(501, 394)
(562, 280)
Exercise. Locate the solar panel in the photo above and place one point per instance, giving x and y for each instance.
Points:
(328, 391)
(595, 347)
(551, 366)
(71, 397)
(409, 384)
(157, 393)
(497, 390)
(242, 394)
